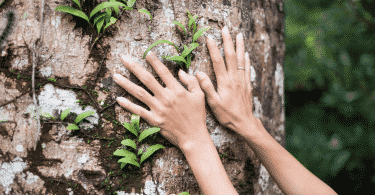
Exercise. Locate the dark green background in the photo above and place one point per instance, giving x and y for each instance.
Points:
(330, 90)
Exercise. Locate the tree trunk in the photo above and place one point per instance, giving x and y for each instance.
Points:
(81, 162)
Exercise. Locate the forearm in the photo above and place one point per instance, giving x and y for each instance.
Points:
(290, 175)
(207, 168)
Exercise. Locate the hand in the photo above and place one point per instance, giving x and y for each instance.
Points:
(180, 114)
(232, 105)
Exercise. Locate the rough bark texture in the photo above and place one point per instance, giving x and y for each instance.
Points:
(64, 158)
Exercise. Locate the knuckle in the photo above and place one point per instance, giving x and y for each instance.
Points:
(141, 92)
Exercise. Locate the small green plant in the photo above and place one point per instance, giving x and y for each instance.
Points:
(52, 79)
(130, 157)
(77, 120)
(102, 17)
(186, 54)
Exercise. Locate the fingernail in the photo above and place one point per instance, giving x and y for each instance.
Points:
(119, 98)
(183, 73)
(210, 37)
(116, 77)
(247, 55)
(240, 36)
(225, 29)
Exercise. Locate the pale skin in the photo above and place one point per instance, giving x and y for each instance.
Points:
(181, 116)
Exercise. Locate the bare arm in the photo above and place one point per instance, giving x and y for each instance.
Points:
(290, 175)
(207, 167)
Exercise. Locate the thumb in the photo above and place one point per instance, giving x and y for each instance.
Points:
(208, 88)
(190, 81)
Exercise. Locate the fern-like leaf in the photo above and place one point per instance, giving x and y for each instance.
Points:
(159, 42)
(148, 132)
(150, 151)
(113, 20)
(100, 24)
(115, 8)
(129, 142)
(145, 12)
(140, 151)
(65, 113)
(177, 58)
(200, 33)
(129, 161)
(70, 10)
(130, 128)
(47, 115)
(131, 3)
(190, 49)
(105, 5)
(135, 122)
(188, 61)
(192, 20)
(123, 152)
(77, 2)
(83, 115)
(97, 18)
(72, 127)
(180, 25)
(108, 16)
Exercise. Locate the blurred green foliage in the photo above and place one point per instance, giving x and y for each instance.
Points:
(330, 90)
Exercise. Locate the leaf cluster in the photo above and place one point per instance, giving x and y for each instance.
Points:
(185, 56)
(130, 157)
(101, 17)
(66, 112)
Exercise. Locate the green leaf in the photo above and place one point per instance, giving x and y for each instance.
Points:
(108, 16)
(123, 165)
(83, 115)
(188, 61)
(72, 127)
(105, 5)
(131, 3)
(48, 116)
(148, 132)
(200, 33)
(113, 20)
(65, 113)
(99, 16)
(123, 152)
(129, 161)
(159, 42)
(191, 21)
(129, 142)
(195, 27)
(100, 24)
(135, 122)
(190, 49)
(130, 127)
(115, 8)
(150, 151)
(145, 12)
(77, 2)
(70, 10)
(177, 58)
(181, 26)
(140, 151)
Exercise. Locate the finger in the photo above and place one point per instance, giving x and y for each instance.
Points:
(162, 71)
(143, 75)
(138, 110)
(217, 60)
(230, 54)
(247, 73)
(135, 90)
(240, 49)
(205, 82)
(191, 82)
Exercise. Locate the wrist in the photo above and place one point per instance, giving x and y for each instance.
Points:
(200, 141)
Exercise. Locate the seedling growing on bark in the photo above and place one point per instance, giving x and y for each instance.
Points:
(185, 56)
(130, 157)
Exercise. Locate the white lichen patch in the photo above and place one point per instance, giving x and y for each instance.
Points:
(56, 23)
(263, 177)
(8, 172)
(279, 76)
(253, 75)
(219, 136)
(52, 99)
(258, 108)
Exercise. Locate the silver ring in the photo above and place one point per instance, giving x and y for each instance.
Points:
(241, 68)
